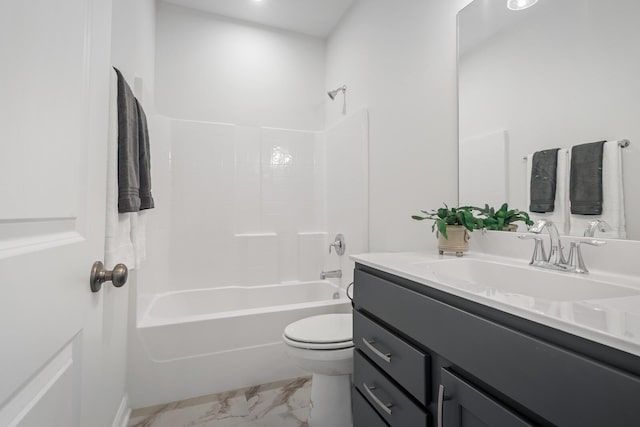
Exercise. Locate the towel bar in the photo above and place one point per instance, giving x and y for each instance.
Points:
(623, 143)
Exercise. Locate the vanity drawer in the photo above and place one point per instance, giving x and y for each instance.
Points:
(562, 387)
(406, 364)
(364, 414)
(387, 399)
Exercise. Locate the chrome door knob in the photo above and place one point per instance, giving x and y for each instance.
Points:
(118, 276)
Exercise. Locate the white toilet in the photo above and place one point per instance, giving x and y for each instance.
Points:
(323, 345)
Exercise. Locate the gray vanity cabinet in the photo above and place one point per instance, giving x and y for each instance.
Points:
(387, 398)
(402, 361)
(462, 404)
(367, 416)
(421, 352)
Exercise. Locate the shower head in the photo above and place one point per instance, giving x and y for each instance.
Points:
(332, 93)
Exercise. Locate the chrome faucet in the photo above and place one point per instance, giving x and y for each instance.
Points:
(556, 259)
(333, 274)
(556, 254)
(597, 225)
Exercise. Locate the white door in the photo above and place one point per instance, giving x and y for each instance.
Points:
(54, 71)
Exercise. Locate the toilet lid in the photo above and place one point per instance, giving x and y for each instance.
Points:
(323, 329)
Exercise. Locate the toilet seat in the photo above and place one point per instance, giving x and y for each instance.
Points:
(323, 332)
(316, 346)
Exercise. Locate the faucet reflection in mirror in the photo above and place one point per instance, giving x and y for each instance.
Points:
(597, 225)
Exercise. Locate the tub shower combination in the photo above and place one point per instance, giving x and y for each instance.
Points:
(192, 335)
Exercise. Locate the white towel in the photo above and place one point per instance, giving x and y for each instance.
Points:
(612, 197)
(139, 236)
(120, 229)
(560, 215)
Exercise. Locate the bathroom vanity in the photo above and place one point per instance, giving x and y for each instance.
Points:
(457, 353)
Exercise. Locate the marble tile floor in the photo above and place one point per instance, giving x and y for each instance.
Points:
(279, 404)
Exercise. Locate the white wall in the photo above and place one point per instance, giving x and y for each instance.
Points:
(347, 188)
(575, 82)
(133, 46)
(217, 69)
(132, 52)
(399, 60)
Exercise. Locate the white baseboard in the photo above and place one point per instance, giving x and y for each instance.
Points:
(123, 414)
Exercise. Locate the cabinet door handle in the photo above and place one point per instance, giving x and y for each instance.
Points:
(386, 407)
(441, 399)
(384, 356)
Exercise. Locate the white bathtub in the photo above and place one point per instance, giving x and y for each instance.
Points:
(197, 342)
(234, 301)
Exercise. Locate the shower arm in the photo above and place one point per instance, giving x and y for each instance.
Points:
(333, 93)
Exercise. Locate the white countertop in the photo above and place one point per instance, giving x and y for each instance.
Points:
(614, 322)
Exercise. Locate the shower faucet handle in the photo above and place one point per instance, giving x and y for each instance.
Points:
(338, 244)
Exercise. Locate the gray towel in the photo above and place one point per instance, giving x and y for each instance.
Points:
(544, 167)
(585, 188)
(146, 199)
(134, 184)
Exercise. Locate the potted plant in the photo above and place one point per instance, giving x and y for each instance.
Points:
(502, 219)
(454, 226)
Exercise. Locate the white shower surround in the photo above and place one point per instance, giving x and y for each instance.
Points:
(236, 250)
(244, 206)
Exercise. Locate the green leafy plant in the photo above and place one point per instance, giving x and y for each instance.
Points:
(501, 218)
(451, 216)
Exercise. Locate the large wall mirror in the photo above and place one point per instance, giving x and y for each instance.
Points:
(554, 75)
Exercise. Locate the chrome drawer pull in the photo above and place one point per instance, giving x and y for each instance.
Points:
(386, 357)
(385, 407)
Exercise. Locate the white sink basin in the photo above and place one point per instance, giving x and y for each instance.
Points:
(490, 277)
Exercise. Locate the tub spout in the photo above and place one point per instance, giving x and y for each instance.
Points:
(336, 274)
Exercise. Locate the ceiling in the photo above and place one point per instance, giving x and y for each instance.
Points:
(483, 19)
(312, 17)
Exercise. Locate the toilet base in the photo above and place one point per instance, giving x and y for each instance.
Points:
(330, 401)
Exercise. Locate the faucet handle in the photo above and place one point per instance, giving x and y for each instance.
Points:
(539, 254)
(597, 225)
(575, 254)
(539, 225)
(529, 236)
(339, 244)
(591, 242)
